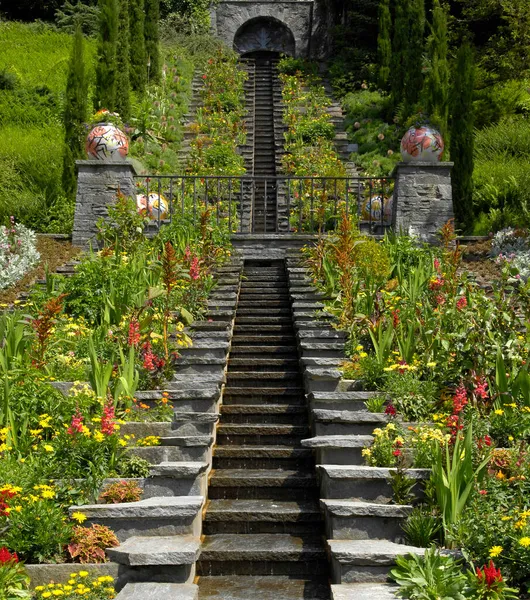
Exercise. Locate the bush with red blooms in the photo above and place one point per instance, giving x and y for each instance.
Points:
(487, 583)
(14, 581)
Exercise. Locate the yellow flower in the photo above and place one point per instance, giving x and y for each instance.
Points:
(58, 593)
(98, 436)
(83, 573)
(80, 518)
(39, 588)
(48, 494)
(495, 551)
(47, 595)
(48, 448)
(524, 542)
(499, 412)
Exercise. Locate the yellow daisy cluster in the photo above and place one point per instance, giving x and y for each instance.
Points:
(3, 439)
(150, 440)
(78, 585)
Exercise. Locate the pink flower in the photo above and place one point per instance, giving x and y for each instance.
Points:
(107, 420)
(461, 303)
(76, 425)
(390, 410)
(134, 332)
(194, 268)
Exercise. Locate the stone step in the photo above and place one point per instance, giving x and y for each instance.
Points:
(276, 329)
(261, 364)
(357, 520)
(339, 449)
(264, 554)
(363, 561)
(262, 457)
(340, 401)
(364, 591)
(262, 588)
(263, 378)
(159, 591)
(193, 423)
(263, 313)
(185, 449)
(359, 482)
(174, 551)
(261, 303)
(260, 392)
(262, 516)
(262, 340)
(273, 413)
(274, 484)
(345, 422)
(256, 350)
(178, 478)
(155, 516)
(259, 434)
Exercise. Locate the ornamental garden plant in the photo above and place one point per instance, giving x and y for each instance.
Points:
(450, 362)
(71, 361)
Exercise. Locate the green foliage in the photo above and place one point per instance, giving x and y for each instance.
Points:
(137, 55)
(134, 466)
(432, 577)
(106, 66)
(122, 103)
(413, 397)
(152, 39)
(14, 581)
(187, 16)
(384, 44)
(422, 527)
(461, 135)
(75, 114)
(71, 15)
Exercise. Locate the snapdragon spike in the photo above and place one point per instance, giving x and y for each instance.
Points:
(107, 420)
(489, 574)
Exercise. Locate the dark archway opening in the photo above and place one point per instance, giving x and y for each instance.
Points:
(264, 34)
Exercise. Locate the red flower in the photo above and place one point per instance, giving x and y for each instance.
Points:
(437, 265)
(461, 303)
(481, 388)
(107, 420)
(134, 332)
(482, 492)
(194, 268)
(77, 423)
(395, 317)
(397, 452)
(440, 299)
(6, 556)
(459, 399)
(490, 575)
(390, 410)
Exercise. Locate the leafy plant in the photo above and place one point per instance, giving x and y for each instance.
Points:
(422, 527)
(88, 543)
(376, 404)
(14, 580)
(121, 491)
(134, 466)
(429, 577)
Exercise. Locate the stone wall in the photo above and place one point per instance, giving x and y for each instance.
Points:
(228, 16)
(98, 183)
(423, 200)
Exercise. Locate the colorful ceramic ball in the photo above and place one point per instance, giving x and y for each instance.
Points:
(422, 144)
(156, 206)
(107, 142)
(371, 211)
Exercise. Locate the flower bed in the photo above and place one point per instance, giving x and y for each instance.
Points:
(452, 358)
(116, 325)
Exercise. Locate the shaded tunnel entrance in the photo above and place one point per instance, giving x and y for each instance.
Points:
(264, 34)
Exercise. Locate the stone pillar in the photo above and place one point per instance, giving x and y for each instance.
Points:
(423, 199)
(98, 182)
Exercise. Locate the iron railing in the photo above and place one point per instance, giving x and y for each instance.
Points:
(261, 204)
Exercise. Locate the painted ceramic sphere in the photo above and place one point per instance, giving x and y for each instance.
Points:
(371, 211)
(156, 206)
(422, 144)
(107, 142)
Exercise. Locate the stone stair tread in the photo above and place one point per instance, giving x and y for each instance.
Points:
(258, 477)
(176, 394)
(360, 508)
(261, 510)
(349, 416)
(262, 588)
(180, 416)
(159, 591)
(263, 547)
(370, 552)
(271, 451)
(265, 428)
(157, 550)
(363, 591)
(178, 469)
(186, 441)
(261, 391)
(338, 441)
(155, 507)
(263, 409)
(350, 395)
(366, 472)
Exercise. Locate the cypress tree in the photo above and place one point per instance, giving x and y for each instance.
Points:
(399, 46)
(384, 45)
(461, 133)
(413, 83)
(437, 81)
(105, 95)
(138, 58)
(123, 87)
(75, 114)
(152, 15)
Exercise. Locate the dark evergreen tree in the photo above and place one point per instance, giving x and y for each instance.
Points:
(384, 44)
(399, 49)
(105, 93)
(152, 49)
(461, 134)
(138, 57)
(413, 84)
(75, 114)
(122, 103)
(436, 88)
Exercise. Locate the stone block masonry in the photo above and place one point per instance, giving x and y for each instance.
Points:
(98, 183)
(423, 200)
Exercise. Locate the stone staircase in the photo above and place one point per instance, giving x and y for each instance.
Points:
(263, 526)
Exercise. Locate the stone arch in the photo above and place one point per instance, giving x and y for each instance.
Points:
(264, 33)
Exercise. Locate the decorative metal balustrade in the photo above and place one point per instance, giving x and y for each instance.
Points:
(264, 204)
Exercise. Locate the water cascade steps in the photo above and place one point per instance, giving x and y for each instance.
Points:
(263, 529)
